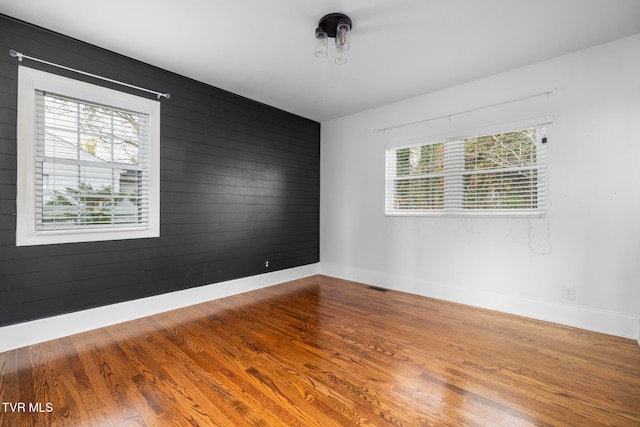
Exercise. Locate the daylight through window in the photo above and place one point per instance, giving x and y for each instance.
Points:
(497, 174)
(88, 162)
(92, 159)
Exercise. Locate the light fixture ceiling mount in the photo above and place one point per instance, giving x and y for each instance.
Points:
(338, 26)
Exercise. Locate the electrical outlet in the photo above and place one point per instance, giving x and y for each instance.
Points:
(569, 292)
(266, 264)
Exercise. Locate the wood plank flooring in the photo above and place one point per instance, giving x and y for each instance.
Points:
(323, 352)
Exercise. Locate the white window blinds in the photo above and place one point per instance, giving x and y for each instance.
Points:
(91, 165)
(497, 174)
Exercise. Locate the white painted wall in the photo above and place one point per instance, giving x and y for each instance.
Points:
(590, 238)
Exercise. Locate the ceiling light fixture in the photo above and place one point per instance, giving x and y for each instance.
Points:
(338, 26)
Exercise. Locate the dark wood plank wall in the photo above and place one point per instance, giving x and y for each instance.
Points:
(240, 185)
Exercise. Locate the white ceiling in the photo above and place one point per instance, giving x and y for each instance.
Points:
(264, 50)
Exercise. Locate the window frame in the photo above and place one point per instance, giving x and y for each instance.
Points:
(29, 81)
(453, 205)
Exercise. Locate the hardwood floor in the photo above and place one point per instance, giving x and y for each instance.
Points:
(323, 351)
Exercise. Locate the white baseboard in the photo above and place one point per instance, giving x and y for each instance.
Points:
(612, 323)
(32, 332)
(36, 331)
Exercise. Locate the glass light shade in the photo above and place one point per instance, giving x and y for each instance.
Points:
(322, 49)
(342, 36)
(341, 57)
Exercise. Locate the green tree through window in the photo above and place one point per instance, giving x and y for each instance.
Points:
(501, 172)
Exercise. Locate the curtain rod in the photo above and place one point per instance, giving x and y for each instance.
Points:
(444, 116)
(20, 56)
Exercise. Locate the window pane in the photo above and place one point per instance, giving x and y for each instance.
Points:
(503, 150)
(419, 193)
(511, 189)
(75, 196)
(97, 149)
(95, 120)
(61, 114)
(420, 160)
(79, 205)
(61, 144)
(126, 125)
(126, 151)
(501, 190)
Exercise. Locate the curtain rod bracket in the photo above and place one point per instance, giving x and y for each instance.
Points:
(19, 55)
(16, 55)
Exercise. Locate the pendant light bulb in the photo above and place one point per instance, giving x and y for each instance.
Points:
(322, 49)
(342, 35)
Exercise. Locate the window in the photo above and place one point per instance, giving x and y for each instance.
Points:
(497, 174)
(88, 162)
